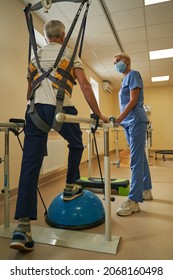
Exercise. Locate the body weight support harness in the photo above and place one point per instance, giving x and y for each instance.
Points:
(59, 84)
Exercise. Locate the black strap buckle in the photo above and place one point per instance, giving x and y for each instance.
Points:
(96, 118)
(60, 94)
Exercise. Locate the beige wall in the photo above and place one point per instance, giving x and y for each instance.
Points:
(161, 99)
(14, 49)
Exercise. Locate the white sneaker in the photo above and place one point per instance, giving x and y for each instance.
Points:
(128, 207)
(147, 195)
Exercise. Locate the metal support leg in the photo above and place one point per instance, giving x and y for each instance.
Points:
(71, 239)
(5, 128)
(107, 186)
(6, 182)
(89, 154)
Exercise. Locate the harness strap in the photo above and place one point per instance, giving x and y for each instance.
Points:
(59, 108)
(36, 119)
(61, 84)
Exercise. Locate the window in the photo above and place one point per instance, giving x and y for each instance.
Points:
(95, 87)
(39, 39)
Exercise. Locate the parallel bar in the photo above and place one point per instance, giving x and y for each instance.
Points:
(61, 117)
(10, 125)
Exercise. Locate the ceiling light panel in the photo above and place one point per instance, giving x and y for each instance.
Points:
(151, 2)
(167, 53)
(160, 79)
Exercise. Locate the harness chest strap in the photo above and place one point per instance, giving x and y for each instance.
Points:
(63, 81)
(62, 78)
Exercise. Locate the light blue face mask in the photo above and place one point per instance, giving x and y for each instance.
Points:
(120, 66)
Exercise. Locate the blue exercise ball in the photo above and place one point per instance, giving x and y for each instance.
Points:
(85, 211)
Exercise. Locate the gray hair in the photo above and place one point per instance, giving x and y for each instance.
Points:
(53, 28)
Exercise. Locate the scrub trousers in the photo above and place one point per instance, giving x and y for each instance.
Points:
(141, 179)
(34, 150)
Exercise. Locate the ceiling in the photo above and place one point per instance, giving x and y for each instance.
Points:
(139, 29)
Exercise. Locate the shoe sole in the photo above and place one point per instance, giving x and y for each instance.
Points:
(72, 197)
(149, 198)
(20, 247)
(128, 214)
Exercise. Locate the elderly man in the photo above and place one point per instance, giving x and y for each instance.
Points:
(36, 139)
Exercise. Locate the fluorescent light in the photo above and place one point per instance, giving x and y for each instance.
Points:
(160, 79)
(161, 54)
(151, 2)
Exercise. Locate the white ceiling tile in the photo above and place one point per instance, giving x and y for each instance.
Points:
(135, 47)
(160, 13)
(160, 30)
(97, 25)
(54, 13)
(159, 44)
(161, 70)
(72, 43)
(132, 35)
(108, 60)
(145, 73)
(92, 61)
(138, 28)
(69, 9)
(98, 40)
(95, 9)
(140, 65)
(106, 51)
(162, 62)
(120, 5)
(88, 54)
(110, 68)
(139, 56)
(134, 19)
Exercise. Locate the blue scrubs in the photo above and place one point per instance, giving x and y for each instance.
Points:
(135, 126)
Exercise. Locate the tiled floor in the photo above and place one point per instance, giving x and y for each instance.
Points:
(145, 235)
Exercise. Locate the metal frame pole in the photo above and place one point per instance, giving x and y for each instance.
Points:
(6, 181)
(61, 117)
(5, 127)
(107, 186)
(89, 154)
(87, 241)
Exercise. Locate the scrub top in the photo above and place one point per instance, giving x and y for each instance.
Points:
(131, 81)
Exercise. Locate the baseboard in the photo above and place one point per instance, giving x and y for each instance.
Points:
(43, 180)
(50, 177)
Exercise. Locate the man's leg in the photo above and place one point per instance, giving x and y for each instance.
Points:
(71, 132)
(26, 208)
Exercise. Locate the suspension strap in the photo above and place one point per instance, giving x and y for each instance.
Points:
(93, 130)
(33, 43)
(36, 119)
(47, 74)
(39, 5)
(59, 104)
